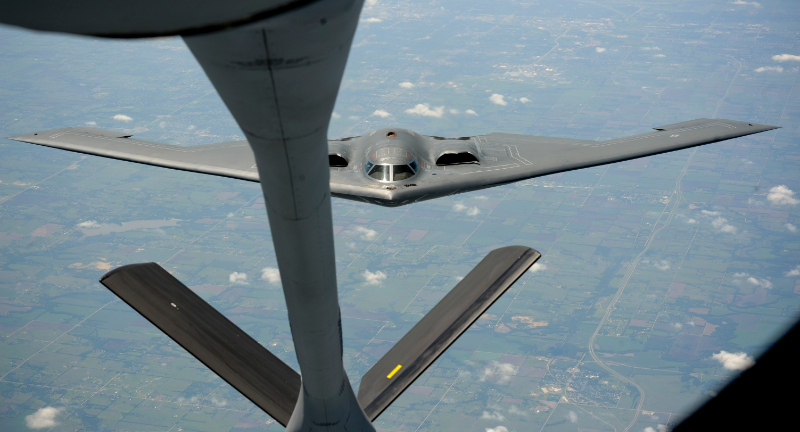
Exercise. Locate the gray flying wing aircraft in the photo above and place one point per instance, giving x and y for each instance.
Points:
(277, 65)
(393, 167)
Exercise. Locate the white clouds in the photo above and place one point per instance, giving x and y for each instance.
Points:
(498, 99)
(495, 415)
(497, 429)
(470, 211)
(659, 56)
(43, 418)
(371, 3)
(191, 400)
(573, 418)
(372, 20)
(777, 69)
(763, 283)
(745, 3)
(505, 377)
(122, 117)
(374, 278)
(791, 228)
(366, 233)
(271, 275)
(722, 225)
(88, 224)
(515, 410)
(237, 278)
(793, 272)
(780, 195)
(719, 223)
(662, 265)
(425, 110)
(786, 57)
(502, 371)
(659, 428)
(691, 221)
(91, 124)
(734, 361)
(598, 49)
(677, 326)
(740, 277)
(536, 268)
(335, 115)
(467, 112)
(754, 202)
(407, 85)
(524, 100)
(651, 49)
(381, 113)
(219, 402)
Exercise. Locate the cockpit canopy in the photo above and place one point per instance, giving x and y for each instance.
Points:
(391, 164)
(390, 173)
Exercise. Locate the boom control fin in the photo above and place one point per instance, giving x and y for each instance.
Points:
(440, 327)
(213, 339)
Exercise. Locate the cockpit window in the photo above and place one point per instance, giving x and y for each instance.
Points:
(402, 172)
(381, 172)
(389, 173)
(391, 163)
(391, 134)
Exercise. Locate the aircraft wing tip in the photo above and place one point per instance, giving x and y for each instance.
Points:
(123, 269)
(764, 127)
(18, 137)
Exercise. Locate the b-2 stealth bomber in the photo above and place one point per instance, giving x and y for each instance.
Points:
(394, 167)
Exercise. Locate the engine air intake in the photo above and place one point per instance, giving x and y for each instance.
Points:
(457, 159)
(336, 161)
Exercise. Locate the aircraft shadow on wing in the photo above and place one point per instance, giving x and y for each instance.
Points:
(394, 167)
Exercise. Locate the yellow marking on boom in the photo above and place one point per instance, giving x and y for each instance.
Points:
(391, 374)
